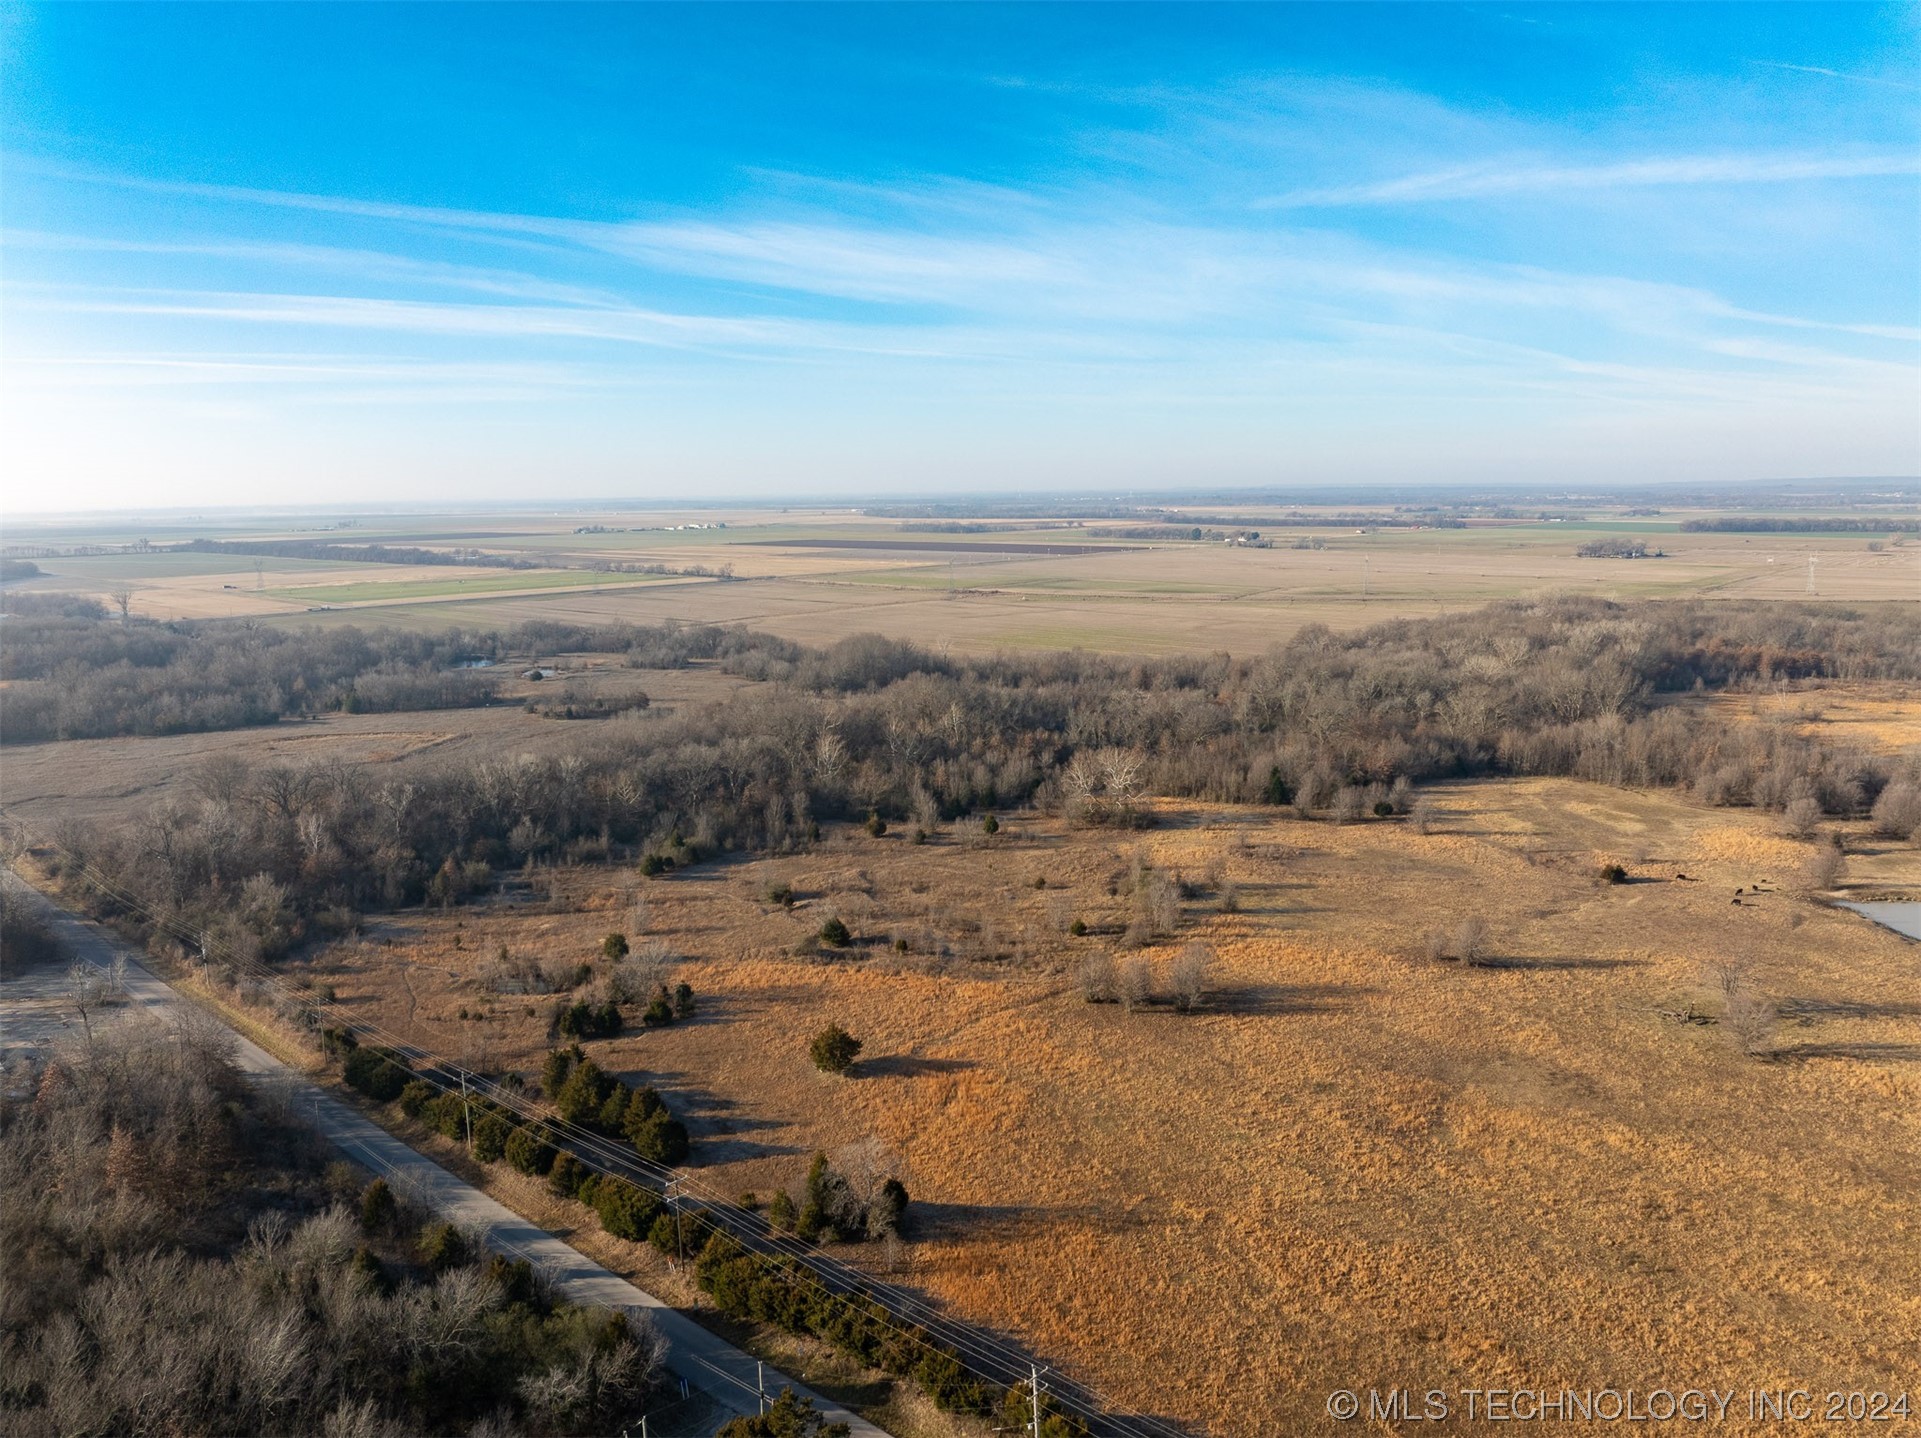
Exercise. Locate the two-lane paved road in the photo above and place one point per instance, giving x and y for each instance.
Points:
(723, 1380)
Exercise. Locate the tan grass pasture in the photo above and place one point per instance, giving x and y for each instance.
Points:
(1355, 1166)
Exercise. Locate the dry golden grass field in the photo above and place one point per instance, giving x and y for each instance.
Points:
(1875, 718)
(816, 575)
(1354, 1166)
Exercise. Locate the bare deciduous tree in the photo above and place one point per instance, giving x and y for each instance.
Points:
(1100, 979)
(1822, 869)
(1747, 1014)
(1897, 812)
(1136, 984)
(87, 991)
(1189, 976)
(1469, 942)
(1801, 818)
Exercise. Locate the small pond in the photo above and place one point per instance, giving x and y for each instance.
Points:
(1903, 918)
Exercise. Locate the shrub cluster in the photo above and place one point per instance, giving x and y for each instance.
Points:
(779, 1291)
(582, 1020)
(834, 1050)
(584, 1094)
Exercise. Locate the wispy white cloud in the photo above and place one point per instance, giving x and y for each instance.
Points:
(379, 266)
(1521, 176)
(1849, 76)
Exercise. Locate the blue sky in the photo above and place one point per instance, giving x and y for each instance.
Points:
(349, 252)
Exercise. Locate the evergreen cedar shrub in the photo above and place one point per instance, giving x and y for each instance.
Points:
(990, 825)
(529, 1151)
(677, 1238)
(789, 1417)
(369, 1267)
(614, 947)
(834, 1049)
(583, 1020)
(415, 1097)
(625, 1210)
(683, 1000)
(1077, 928)
(491, 1133)
(661, 1009)
(583, 1092)
(889, 1208)
(1275, 791)
(441, 1247)
(876, 825)
(768, 1289)
(377, 1073)
(782, 894)
(553, 1073)
(835, 933)
(612, 1117)
(818, 1201)
(1613, 874)
(781, 1213)
(566, 1175)
(588, 1096)
(660, 1138)
(378, 1211)
(1382, 808)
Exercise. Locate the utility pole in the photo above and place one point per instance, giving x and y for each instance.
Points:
(672, 1196)
(1810, 574)
(467, 1112)
(760, 1383)
(1034, 1395)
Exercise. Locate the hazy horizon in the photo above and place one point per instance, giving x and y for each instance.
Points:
(457, 256)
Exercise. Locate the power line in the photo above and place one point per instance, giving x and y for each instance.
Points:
(827, 1277)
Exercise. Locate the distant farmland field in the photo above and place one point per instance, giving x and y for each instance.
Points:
(508, 581)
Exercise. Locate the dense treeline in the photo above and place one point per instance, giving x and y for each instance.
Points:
(874, 726)
(73, 674)
(181, 1259)
(1757, 524)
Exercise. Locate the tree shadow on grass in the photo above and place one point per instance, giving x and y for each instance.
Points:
(987, 1220)
(1284, 998)
(1808, 1006)
(1886, 1053)
(1545, 963)
(908, 1066)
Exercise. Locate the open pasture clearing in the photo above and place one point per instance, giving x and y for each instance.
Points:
(1354, 1166)
(1877, 718)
